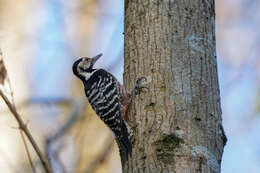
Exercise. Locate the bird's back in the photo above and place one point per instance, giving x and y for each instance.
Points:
(102, 91)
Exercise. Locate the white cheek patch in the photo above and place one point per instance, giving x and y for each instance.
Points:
(85, 64)
(87, 75)
(79, 70)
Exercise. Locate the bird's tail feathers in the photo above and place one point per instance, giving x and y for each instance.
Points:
(124, 144)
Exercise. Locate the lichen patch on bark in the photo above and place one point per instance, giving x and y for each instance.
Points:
(164, 147)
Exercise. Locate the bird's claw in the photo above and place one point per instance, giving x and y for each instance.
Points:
(139, 85)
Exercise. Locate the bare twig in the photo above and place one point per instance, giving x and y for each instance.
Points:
(24, 128)
(27, 152)
(59, 161)
(48, 100)
(77, 107)
(5, 92)
(41, 101)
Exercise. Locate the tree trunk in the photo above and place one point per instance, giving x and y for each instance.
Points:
(177, 121)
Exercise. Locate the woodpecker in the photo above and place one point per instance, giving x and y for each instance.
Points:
(107, 98)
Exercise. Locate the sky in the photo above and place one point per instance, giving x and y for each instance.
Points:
(237, 34)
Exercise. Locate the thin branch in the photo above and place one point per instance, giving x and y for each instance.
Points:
(48, 100)
(77, 107)
(27, 152)
(4, 87)
(24, 128)
(41, 101)
(57, 158)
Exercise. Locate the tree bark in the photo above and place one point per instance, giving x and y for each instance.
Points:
(177, 121)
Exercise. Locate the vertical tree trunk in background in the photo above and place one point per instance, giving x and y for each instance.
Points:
(177, 122)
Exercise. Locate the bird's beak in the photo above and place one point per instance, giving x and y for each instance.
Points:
(95, 58)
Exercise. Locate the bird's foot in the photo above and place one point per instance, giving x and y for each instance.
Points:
(128, 97)
(139, 85)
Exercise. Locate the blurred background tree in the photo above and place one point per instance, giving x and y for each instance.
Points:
(41, 39)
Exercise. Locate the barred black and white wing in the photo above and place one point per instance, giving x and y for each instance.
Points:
(102, 91)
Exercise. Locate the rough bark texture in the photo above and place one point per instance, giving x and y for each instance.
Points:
(177, 122)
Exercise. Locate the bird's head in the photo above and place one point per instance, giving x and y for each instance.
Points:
(84, 65)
